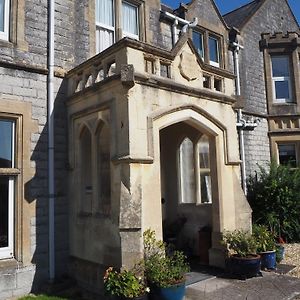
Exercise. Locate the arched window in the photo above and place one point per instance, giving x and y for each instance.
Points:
(187, 172)
(86, 171)
(194, 171)
(103, 169)
(204, 169)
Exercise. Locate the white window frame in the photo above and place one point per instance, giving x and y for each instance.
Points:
(8, 252)
(100, 25)
(4, 35)
(128, 34)
(282, 79)
(213, 63)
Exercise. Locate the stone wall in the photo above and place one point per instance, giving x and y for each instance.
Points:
(273, 16)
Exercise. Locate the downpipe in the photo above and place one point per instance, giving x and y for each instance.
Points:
(50, 119)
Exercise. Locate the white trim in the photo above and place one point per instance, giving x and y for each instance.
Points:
(4, 35)
(214, 63)
(128, 34)
(282, 100)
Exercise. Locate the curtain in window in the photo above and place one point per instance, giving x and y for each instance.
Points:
(187, 171)
(104, 38)
(2, 10)
(104, 12)
(205, 169)
(129, 19)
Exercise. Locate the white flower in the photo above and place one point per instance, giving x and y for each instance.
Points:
(147, 289)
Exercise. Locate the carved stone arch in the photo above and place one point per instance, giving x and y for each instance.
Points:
(83, 126)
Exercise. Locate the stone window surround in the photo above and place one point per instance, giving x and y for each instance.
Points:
(206, 34)
(16, 34)
(278, 45)
(23, 211)
(118, 35)
(284, 140)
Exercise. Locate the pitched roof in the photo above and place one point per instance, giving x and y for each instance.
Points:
(239, 17)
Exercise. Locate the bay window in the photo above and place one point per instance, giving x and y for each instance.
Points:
(109, 13)
(130, 20)
(4, 19)
(7, 165)
(105, 24)
(282, 90)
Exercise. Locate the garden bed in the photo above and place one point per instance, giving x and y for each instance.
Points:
(292, 257)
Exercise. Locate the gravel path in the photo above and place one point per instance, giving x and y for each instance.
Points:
(292, 257)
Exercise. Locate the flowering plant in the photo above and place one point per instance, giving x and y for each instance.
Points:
(125, 283)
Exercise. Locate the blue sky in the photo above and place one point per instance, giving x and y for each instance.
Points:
(228, 5)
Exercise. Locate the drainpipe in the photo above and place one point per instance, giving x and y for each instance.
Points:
(177, 20)
(242, 124)
(50, 96)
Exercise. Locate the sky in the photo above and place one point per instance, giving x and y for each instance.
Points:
(228, 5)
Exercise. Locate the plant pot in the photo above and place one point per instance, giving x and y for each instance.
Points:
(268, 260)
(244, 267)
(174, 292)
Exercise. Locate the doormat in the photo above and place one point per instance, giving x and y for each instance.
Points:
(284, 269)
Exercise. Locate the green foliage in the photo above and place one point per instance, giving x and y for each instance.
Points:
(265, 239)
(124, 283)
(41, 297)
(274, 195)
(162, 269)
(240, 242)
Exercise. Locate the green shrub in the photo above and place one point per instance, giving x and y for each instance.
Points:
(274, 195)
(163, 269)
(265, 239)
(240, 242)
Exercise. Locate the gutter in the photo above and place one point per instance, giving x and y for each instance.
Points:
(176, 21)
(50, 119)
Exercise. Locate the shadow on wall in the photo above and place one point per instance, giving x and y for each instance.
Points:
(37, 190)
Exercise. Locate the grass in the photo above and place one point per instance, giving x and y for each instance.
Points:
(41, 297)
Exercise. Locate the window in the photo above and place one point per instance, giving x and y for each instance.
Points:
(4, 19)
(214, 51)
(194, 171)
(287, 154)
(282, 91)
(107, 16)
(105, 24)
(198, 43)
(7, 162)
(130, 20)
(86, 172)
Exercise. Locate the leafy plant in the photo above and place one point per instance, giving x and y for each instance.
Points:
(124, 283)
(265, 239)
(274, 195)
(240, 242)
(163, 268)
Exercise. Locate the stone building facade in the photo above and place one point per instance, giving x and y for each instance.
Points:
(144, 135)
(258, 99)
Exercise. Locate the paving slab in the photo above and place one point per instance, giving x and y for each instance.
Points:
(270, 286)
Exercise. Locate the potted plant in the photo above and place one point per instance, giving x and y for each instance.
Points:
(125, 285)
(266, 246)
(243, 260)
(165, 270)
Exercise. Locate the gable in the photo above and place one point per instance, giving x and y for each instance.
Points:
(207, 13)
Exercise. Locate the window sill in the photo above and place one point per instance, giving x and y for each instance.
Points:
(284, 103)
(6, 44)
(8, 264)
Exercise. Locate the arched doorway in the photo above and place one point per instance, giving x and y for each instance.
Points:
(186, 159)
